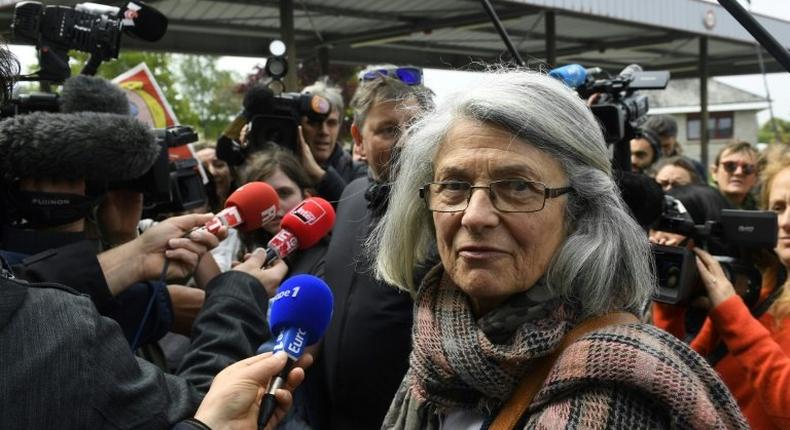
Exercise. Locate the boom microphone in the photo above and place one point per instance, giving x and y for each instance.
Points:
(88, 145)
(300, 313)
(248, 208)
(83, 93)
(301, 228)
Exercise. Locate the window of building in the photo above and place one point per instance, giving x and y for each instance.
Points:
(721, 125)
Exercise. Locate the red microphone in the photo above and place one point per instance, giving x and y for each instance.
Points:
(248, 208)
(301, 228)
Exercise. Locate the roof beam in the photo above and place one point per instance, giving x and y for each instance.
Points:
(367, 36)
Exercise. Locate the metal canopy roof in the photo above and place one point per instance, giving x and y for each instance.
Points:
(657, 34)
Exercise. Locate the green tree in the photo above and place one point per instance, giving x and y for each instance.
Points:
(766, 133)
(210, 93)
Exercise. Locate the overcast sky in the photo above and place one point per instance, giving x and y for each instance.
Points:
(444, 82)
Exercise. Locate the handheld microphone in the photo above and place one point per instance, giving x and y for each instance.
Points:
(248, 208)
(301, 228)
(300, 313)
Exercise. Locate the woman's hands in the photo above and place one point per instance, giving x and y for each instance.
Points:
(717, 285)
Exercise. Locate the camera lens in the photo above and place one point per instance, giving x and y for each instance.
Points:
(673, 277)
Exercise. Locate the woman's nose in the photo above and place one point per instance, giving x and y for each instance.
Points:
(480, 211)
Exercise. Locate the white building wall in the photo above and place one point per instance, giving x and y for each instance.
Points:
(746, 128)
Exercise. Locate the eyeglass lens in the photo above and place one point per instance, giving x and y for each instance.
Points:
(731, 166)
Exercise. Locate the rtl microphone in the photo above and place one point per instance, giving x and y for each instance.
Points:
(248, 208)
(301, 228)
(299, 315)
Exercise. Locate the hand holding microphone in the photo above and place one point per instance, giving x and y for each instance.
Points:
(300, 313)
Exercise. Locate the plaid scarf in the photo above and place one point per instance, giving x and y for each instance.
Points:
(459, 361)
(602, 379)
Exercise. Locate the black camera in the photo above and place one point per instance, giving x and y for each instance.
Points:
(27, 103)
(87, 27)
(169, 185)
(619, 108)
(274, 121)
(741, 231)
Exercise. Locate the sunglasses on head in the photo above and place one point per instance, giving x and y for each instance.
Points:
(731, 166)
(407, 75)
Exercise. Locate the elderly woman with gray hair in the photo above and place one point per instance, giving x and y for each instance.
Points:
(529, 319)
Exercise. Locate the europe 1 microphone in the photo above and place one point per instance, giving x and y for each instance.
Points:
(301, 228)
(300, 313)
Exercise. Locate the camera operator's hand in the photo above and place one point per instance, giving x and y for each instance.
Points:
(233, 401)
(666, 238)
(144, 258)
(717, 285)
(269, 277)
(118, 216)
(311, 167)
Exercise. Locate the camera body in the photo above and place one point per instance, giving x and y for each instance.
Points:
(87, 27)
(274, 120)
(620, 108)
(278, 121)
(676, 269)
(170, 185)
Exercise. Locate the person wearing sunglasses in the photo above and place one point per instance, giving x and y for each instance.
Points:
(323, 158)
(735, 173)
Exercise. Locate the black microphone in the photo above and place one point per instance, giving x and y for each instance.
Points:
(85, 145)
(255, 101)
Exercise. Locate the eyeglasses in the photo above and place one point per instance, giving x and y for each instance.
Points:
(407, 75)
(507, 195)
(667, 184)
(731, 166)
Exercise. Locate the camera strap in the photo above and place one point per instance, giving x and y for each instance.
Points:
(721, 349)
(41, 209)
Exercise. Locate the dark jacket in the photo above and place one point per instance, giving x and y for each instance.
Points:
(65, 366)
(340, 171)
(366, 347)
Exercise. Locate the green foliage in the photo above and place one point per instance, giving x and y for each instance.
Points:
(766, 133)
(209, 92)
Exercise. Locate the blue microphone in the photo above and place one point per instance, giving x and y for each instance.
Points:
(299, 315)
(573, 75)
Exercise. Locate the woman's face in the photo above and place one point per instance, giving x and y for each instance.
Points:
(492, 255)
(779, 202)
(218, 168)
(290, 195)
(672, 176)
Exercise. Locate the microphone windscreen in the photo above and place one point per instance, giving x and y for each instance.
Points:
(258, 100)
(257, 203)
(310, 221)
(83, 93)
(304, 302)
(143, 21)
(85, 145)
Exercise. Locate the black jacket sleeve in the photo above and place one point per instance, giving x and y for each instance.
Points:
(331, 186)
(73, 265)
(230, 327)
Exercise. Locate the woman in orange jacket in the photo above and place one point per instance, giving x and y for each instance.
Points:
(756, 366)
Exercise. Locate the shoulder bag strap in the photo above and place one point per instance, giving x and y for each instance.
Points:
(511, 413)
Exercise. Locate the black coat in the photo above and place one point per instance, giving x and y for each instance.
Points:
(366, 347)
(341, 169)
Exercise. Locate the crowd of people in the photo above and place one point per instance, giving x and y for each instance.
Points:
(486, 273)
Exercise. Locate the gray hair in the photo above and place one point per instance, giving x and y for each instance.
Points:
(385, 88)
(604, 264)
(330, 92)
